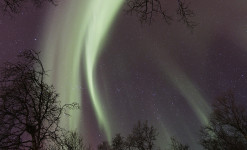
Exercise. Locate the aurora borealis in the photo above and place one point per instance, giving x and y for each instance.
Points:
(85, 42)
(122, 71)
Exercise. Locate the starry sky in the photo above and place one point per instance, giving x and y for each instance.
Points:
(161, 73)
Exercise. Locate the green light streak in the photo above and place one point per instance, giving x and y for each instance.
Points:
(63, 54)
(164, 135)
(187, 89)
(77, 28)
(182, 83)
(98, 28)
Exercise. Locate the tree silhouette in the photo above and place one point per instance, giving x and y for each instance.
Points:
(147, 9)
(104, 146)
(144, 9)
(73, 141)
(142, 137)
(118, 142)
(227, 128)
(176, 145)
(14, 6)
(186, 14)
(29, 108)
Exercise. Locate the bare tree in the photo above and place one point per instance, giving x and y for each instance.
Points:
(104, 146)
(73, 141)
(227, 128)
(142, 137)
(14, 6)
(30, 111)
(176, 145)
(144, 9)
(118, 142)
(147, 9)
(186, 14)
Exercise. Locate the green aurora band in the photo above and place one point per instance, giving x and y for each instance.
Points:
(74, 32)
(73, 39)
(182, 82)
(189, 91)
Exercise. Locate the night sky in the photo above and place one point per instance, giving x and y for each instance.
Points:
(162, 73)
